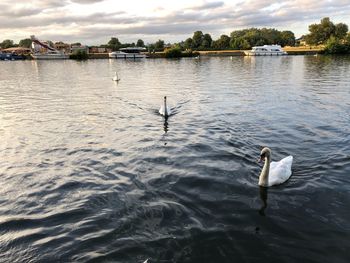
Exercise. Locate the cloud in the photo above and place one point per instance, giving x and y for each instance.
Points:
(210, 5)
(19, 12)
(60, 19)
(86, 1)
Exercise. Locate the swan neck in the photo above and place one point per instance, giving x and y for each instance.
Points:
(165, 108)
(264, 175)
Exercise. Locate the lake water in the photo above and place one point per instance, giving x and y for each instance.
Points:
(90, 172)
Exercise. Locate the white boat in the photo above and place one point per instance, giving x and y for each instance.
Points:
(50, 55)
(41, 50)
(266, 50)
(128, 52)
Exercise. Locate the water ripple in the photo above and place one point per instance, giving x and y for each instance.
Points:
(90, 172)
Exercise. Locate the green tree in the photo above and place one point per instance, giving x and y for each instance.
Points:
(335, 46)
(140, 43)
(114, 43)
(222, 43)
(238, 33)
(7, 43)
(151, 48)
(259, 37)
(341, 30)
(76, 44)
(79, 55)
(188, 43)
(159, 45)
(287, 38)
(27, 42)
(269, 35)
(206, 42)
(320, 33)
(174, 52)
(197, 39)
(240, 43)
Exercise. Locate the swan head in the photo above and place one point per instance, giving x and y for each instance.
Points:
(265, 153)
(164, 98)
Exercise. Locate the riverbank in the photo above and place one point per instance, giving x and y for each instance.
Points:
(225, 53)
(219, 53)
(289, 50)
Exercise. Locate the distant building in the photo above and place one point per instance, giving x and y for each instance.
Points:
(301, 41)
(65, 48)
(167, 47)
(17, 50)
(99, 50)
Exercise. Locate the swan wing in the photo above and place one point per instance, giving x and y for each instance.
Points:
(161, 110)
(168, 110)
(280, 171)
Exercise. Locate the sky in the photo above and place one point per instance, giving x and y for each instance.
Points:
(94, 22)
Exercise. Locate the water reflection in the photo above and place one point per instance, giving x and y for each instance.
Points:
(83, 159)
(263, 196)
(166, 124)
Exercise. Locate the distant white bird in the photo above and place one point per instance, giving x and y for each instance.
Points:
(116, 78)
(164, 109)
(146, 261)
(274, 173)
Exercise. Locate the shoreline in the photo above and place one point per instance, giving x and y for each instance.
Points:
(214, 53)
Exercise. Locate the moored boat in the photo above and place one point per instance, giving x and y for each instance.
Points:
(11, 56)
(50, 55)
(266, 50)
(128, 52)
(41, 50)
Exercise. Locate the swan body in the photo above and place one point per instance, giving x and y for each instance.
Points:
(274, 173)
(164, 109)
(116, 78)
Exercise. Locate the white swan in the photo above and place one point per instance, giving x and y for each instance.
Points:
(116, 78)
(274, 173)
(164, 109)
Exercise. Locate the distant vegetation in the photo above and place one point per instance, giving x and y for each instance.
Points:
(79, 55)
(7, 43)
(335, 39)
(174, 52)
(177, 52)
(240, 39)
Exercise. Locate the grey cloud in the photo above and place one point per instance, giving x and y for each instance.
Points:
(211, 5)
(157, 29)
(43, 4)
(19, 12)
(66, 20)
(181, 22)
(21, 9)
(252, 14)
(86, 1)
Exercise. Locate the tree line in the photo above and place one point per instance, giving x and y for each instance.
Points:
(334, 37)
(239, 39)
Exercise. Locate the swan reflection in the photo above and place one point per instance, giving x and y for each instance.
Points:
(166, 125)
(263, 197)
